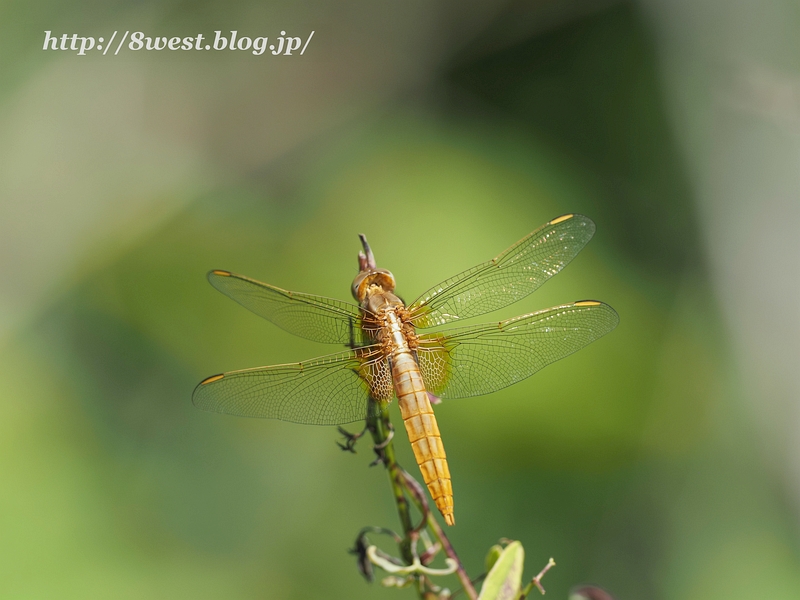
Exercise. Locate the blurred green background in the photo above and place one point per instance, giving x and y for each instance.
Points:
(661, 462)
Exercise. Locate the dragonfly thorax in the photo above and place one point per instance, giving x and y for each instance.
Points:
(378, 302)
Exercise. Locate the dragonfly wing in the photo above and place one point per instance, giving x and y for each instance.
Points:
(507, 278)
(329, 390)
(480, 359)
(315, 318)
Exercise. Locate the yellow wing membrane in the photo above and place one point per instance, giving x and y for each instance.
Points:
(509, 277)
(316, 318)
(480, 359)
(330, 390)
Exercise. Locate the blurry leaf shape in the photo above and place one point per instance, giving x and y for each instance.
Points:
(504, 579)
(589, 592)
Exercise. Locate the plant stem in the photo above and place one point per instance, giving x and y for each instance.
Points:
(537, 581)
(380, 427)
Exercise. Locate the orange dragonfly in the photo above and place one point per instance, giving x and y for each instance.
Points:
(387, 356)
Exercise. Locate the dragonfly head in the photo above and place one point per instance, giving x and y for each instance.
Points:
(370, 279)
(373, 281)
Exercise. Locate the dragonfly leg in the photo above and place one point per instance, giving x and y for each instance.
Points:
(352, 342)
(350, 439)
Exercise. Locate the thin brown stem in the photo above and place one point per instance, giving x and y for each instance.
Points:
(415, 491)
(537, 581)
(466, 582)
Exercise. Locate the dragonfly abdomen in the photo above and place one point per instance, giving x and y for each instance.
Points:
(423, 431)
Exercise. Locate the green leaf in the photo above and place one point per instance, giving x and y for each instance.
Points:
(504, 580)
(492, 556)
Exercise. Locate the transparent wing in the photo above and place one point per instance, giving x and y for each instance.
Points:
(313, 317)
(480, 359)
(330, 390)
(507, 278)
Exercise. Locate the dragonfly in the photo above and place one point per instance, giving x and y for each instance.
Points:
(388, 357)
